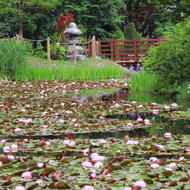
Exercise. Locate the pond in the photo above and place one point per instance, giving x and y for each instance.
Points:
(80, 135)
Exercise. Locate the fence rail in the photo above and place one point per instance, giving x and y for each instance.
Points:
(124, 51)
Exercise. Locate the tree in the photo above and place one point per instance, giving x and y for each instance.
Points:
(170, 60)
(24, 13)
(99, 17)
(130, 32)
(152, 17)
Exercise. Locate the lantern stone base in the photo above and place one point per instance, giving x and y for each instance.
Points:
(78, 57)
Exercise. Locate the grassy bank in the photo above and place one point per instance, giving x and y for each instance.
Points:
(40, 69)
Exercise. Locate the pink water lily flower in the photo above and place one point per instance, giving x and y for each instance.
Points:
(86, 164)
(25, 120)
(173, 164)
(146, 121)
(26, 174)
(88, 187)
(139, 119)
(11, 156)
(160, 147)
(18, 129)
(98, 164)
(39, 181)
(127, 188)
(140, 183)
(132, 142)
(129, 124)
(181, 158)
(86, 151)
(174, 105)
(19, 188)
(40, 165)
(167, 107)
(61, 121)
(96, 157)
(168, 135)
(153, 159)
(93, 176)
(14, 147)
(154, 165)
(155, 111)
(6, 149)
(103, 141)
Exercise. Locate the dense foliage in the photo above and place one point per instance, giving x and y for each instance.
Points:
(12, 54)
(104, 19)
(170, 60)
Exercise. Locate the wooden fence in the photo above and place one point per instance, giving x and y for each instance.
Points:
(124, 51)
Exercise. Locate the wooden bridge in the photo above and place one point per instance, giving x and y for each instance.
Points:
(124, 52)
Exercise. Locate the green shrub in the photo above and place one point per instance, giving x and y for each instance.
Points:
(170, 60)
(58, 51)
(12, 54)
(38, 51)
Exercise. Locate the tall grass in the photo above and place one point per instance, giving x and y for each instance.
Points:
(86, 70)
(144, 82)
(12, 54)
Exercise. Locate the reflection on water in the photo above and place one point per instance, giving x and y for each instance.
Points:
(92, 135)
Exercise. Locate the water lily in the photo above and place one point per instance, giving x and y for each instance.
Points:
(40, 165)
(160, 147)
(86, 151)
(98, 164)
(174, 105)
(11, 156)
(93, 176)
(173, 164)
(154, 165)
(103, 141)
(26, 174)
(19, 188)
(6, 149)
(166, 107)
(140, 183)
(155, 111)
(127, 188)
(146, 121)
(132, 142)
(39, 181)
(153, 159)
(96, 157)
(168, 135)
(88, 187)
(86, 164)
(129, 124)
(181, 158)
(25, 120)
(139, 119)
(18, 129)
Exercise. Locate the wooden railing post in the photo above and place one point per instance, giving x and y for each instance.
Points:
(93, 48)
(17, 38)
(112, 48)
(97, 48)
(74, 52)
(48, 49)
(135, 50)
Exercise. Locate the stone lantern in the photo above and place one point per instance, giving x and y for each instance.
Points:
(73, 32)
